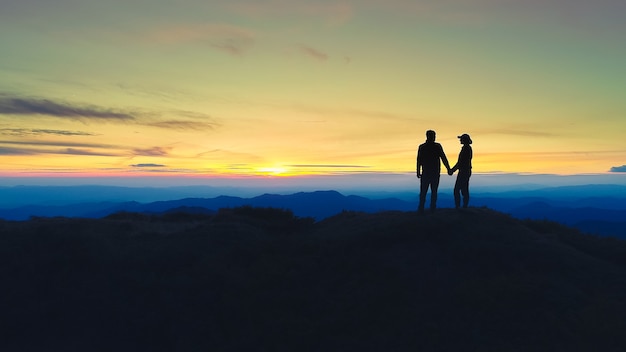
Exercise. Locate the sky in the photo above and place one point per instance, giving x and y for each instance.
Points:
(195, 89)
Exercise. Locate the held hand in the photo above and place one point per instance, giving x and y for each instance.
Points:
(450, 172)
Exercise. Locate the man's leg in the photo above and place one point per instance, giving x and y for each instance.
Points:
(423, 191)
(434, 186)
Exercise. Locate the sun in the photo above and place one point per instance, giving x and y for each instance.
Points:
(275, 170)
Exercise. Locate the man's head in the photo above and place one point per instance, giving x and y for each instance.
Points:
(430, 136)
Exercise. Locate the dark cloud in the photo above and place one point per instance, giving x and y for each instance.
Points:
(66, 148)
(618, 168)
(230, 39)
(15, 151)
(235, 47)
(10, 105)
(312, 52)
(63, 151)
(77, 151)
(154, 151)
(183, 125)
(60, 144)
(148, 165)
(21, 132)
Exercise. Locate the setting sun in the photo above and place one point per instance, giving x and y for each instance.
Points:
(274, 171)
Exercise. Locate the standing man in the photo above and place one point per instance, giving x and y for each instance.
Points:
(429, 158)
(464, 165)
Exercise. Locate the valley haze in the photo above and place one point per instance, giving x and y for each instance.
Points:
(598, 208)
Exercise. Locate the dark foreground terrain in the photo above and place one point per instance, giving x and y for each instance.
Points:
(260, 279)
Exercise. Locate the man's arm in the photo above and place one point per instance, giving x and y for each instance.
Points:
(418, 162)
(444, 158)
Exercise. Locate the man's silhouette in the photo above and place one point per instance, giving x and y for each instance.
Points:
(464, 165)
(429, 158)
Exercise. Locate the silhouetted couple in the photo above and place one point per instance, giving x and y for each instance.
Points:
(430, 155)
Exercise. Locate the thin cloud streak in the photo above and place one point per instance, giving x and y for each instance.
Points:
(16, 151)
(34, 148)
(154, 151)
(33, 106)
(513, 132)
(23, 132)
(312, 52)
(369, 114)
(147, 165)
(64, 151)
(183, 125)
(85, 152)
(231, 39)
(326, 166)
(555, 153)
(61, 144)
(10, 105)
(334, 13)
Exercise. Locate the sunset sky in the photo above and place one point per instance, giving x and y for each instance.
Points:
(309, 87)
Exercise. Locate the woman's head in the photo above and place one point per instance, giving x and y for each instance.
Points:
(465, 138)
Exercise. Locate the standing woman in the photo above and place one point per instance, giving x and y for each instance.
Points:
(464, 165)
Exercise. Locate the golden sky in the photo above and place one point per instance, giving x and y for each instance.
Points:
(277, 87)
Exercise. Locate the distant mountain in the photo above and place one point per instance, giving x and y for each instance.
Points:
(13, 197)
(319, 204)
(322, 204)
(606, 228)
(262, 279)
(569, 216)
(566, 192)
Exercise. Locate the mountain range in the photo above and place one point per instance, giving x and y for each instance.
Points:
(596, 209)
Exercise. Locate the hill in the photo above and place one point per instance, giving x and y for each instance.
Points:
(262, 279)
(601, 214)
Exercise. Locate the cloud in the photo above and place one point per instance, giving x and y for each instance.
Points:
(154, 151)
(582, 14)
(516, 132)
(227, 38)
(334, 12)
(147, 165)
(22, 132)
(10, 105)
(183, 125)
(77, 151)
(618, 168)
(365, 114)
(64, 148)
(232, 46)
(62, 151)
(15, 151)
(326, 166)
(312, 52)
(60, 144)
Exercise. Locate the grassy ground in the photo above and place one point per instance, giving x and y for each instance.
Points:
(250, 279)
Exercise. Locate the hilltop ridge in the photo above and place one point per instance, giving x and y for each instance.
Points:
(263, 279)
(600, 214)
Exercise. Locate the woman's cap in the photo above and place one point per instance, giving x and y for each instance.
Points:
(465, 137)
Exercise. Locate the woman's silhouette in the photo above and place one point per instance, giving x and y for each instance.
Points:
(464, 165)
